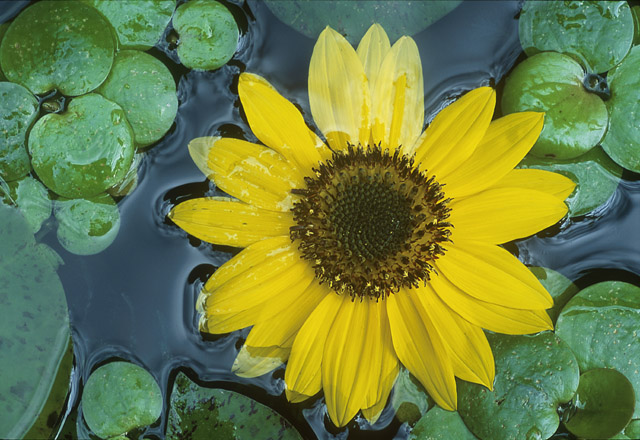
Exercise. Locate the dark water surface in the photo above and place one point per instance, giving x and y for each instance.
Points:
(135, 300)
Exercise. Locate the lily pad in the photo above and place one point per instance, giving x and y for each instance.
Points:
(87, 226)
(440, 424)
(145, 89)
(600, 325)
(353, 18)
(32, 198)
(119, 397)
(603, 404)
(560, 287)
(633, 429)
(534, 375)
(199, 413)
(62, 45)
(575, 120)
(3, 30)
(18, 111)
(34, 329)
(139, 24)
(83, 151)
(208, 34)
(635, 11)
(130, 181)
(595, 174)
(409, 399)
(622, 141)
(599, 34)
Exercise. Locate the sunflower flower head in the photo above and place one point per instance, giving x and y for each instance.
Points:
(377, 244)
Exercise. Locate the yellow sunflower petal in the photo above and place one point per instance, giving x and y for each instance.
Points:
(252, 173)
(278, 123)
(339, 91)
(493, 317)
(398, 97)
(551, 183)
(254, 362)
(224, 221)
(420, 349)
(492, 274)
(503, 146)
(503, 214)
(372, 49)
(455, 132)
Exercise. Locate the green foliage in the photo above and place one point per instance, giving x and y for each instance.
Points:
(31, 197)
(560, 287)
(439, 424)
(409, 399)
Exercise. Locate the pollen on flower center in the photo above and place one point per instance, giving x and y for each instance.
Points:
(370, 222)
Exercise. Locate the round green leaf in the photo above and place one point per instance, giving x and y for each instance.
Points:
(633, 429)
(621, 140)
(18, 110)
(595, 174)
(119, 397)
(534, 374)
(208, 34)
(353, 18)
(34, 329)
(32, 198)
(600, 325)
(63, 45)
(3, 30)
(139, 24)
(597, 33)
(575, 119)
(83, 151)
(130, 181)
(560, 287)
(204, 413)
(145, 89)
(409, 399)
(87, 226)
(603, 404)
(439, 424)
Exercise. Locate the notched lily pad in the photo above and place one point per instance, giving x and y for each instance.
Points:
(139, 24)
(18, 110)
(83, 151)
(622, 141)
(119, 397)
(600, 325)
(62, 45)
(208, 34)
(409, 399)
(87, 226)
(560, 287)
(597, 33)
(199, 413)
(439, 424)
(575, 120)
(595, 174)
(534, 375)
(31, 198)
(146, 91)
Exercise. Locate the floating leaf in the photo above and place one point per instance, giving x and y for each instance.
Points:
(32, 198)
(139, 24)
(34, 329)
(597, 33)
(87, 226)
(130, 181)
(595, 174)
(534, 374)
(208, 34)
(603, 404)
(3, 30)
(633, 429)
(560, 287)
(439, 424)
(575, 119)
(635, 11)
(353, 18)
(204, 413)
(622, 141)
(145, 89)
(409, 399)
(83, 151)
(18, 110)
(62, 45)
(119, 397)
(600, 325)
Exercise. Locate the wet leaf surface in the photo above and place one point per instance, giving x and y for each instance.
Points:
(439, 424)
(409, 399)
(560, 287)
(31, 198)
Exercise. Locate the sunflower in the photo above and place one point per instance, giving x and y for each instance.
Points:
(380, 246)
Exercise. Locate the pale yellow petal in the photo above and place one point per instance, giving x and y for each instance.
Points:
(252, 173)
(503, 214)
(233, 223)
(339, 91)
(372, 49)
(254, 362)
(455, 132)
(551, 183)
(503, 146)
(490, 316)
(492, 274)
(397, 100)
(278, 123)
